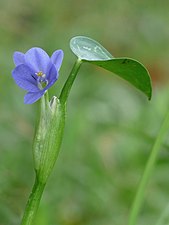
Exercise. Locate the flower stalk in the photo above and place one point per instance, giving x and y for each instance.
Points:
(33, 203)
(66, 89)
(148, 171)
(47, 142)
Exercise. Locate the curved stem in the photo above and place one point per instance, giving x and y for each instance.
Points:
(148, 171)
(66, 88)
(33, 203)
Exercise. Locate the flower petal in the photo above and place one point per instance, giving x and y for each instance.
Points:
(32, 97)
(38, 60)
(18, 58)
(57, 58)
(52, 76)
(22, 75)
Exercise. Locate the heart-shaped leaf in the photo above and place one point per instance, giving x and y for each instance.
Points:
(131, 70)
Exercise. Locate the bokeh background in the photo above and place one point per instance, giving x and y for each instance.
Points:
(110, 126)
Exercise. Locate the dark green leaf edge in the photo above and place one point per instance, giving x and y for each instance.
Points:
(129, 69)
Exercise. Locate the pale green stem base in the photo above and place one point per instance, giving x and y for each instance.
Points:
(148, 171)
(33, 203)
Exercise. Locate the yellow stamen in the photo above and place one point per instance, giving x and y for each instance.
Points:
(39, 74)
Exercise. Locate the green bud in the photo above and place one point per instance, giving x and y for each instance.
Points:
(48, 137)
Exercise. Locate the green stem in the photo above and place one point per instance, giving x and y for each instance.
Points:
(66, 88)
(47, 148)
(148, 171)
(33, 203)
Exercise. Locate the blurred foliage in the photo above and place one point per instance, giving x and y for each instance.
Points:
(110, 127)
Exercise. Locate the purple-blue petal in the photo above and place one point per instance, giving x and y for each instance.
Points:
(57, 58)
(18, 58)
(22, 75)
(52, 77)
(52, 74)
(38, 60)
(32, 97)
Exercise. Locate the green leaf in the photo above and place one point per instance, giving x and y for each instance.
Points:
(129, 69)
(88, 49)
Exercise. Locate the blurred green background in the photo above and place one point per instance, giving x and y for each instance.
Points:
(110, 126)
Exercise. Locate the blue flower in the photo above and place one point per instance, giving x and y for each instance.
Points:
(36, 72)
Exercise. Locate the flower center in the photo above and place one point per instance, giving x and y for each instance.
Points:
(40, 74)
(41, 80)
